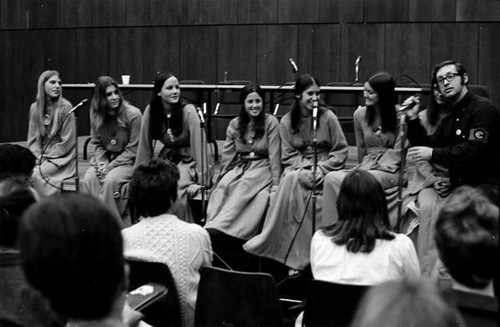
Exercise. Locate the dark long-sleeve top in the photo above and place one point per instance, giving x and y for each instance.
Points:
(116, 145)
(467, 141)
(297, 150)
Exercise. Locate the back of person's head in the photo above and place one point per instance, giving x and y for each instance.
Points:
(466, 235)
(16, 160)
(416, 303)
(363, 216)
(153, 187)
(72, 252)
(16, 196)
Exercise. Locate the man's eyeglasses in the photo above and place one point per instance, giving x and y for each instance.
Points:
(449, 77)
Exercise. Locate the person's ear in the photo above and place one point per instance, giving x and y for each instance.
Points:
(465, 79)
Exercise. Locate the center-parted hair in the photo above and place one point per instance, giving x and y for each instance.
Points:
(99, 104)
(302, 83)
(72, 252)
(41, 104)
(153, 187)
(384, 85)
(244, 118)
(363, 216)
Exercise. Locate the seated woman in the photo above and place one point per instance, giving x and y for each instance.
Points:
(430, 184)
(114, 127)
(379, 148)
(360, 248)
(287, 231)
(176, 124)
(161, 237)
(51, 135)
(250, 169)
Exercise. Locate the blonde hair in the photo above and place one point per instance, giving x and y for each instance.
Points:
(40, 105)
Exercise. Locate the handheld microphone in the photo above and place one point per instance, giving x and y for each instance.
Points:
(200, 113)
(84, 101)
(294, 65)
(408, 105)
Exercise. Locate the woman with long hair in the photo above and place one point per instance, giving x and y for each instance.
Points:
(287, 231)
(176, 125)
(378, 143)
(114, 127)
(360, 248)
(51, 135)
(250, 169)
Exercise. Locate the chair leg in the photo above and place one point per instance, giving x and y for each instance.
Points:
(85, 146)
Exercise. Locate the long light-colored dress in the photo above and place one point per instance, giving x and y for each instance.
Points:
(287, 232)
(185, 150)
(248, 170)
(56, 157)
(116, 146)
(428, 202)
(380, 154)
(185, 248)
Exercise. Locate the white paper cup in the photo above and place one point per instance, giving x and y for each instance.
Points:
(125, 79)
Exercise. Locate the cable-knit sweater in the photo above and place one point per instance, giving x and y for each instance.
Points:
(184, 247)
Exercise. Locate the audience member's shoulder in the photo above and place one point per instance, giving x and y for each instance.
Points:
(403, 241)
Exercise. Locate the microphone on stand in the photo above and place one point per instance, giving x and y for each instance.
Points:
(84, 101)
(356, 63)
(315, 118)
(200, 113)
(294, 65)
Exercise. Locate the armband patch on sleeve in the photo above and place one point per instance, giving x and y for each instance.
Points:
(479, 134)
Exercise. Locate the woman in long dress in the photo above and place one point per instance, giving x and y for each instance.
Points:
(287, 231)
(114, 127)
(250, 169)
(176, 125)
(378, 142)
(51, 135)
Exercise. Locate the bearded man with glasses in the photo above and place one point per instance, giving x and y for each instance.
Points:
(467, 141)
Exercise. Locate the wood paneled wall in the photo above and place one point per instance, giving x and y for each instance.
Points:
(248, 39)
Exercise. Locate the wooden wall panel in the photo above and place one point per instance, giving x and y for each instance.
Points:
(92, 54)
(41, 14)
(298, 11)
(385, 10)
(432, 10)
(458, 42)
(257, 11)
(319, 51)
(217, 12)
(109, 12)
(489, 48)
(340, 11)
(482, 10)
(276, 43)
(198, 53)
(407, 51)
(71, 13)
(367, 41)
(161, 52)
(237, 52)
(12, 14)
(171, 12)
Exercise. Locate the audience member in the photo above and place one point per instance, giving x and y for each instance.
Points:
(20, 304)
(162, 237)
(16, 160)
(408, 303)
(51, 135)
(287, 230)
(250, 169)
(377, 141)
(114, 127)
(176, 124)
(72, 252)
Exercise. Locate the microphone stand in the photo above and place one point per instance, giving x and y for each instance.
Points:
(203, 164)
(402, 137)
(314, 171)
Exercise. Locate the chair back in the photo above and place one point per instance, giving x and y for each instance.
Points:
(331, 304)
(233, 298)
(480, 90)
(476, 309)
(167, 311)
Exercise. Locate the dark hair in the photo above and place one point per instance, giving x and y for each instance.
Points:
(409, 303)
(363, 216)
(72, 252)
(244, 120)
(15, 197)
(384, 85)
(434, 107)
(153, 187)
(99, 105)
(158, 120)
(458, 66)
(302, 83)
(467, 237)
(16, 159)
